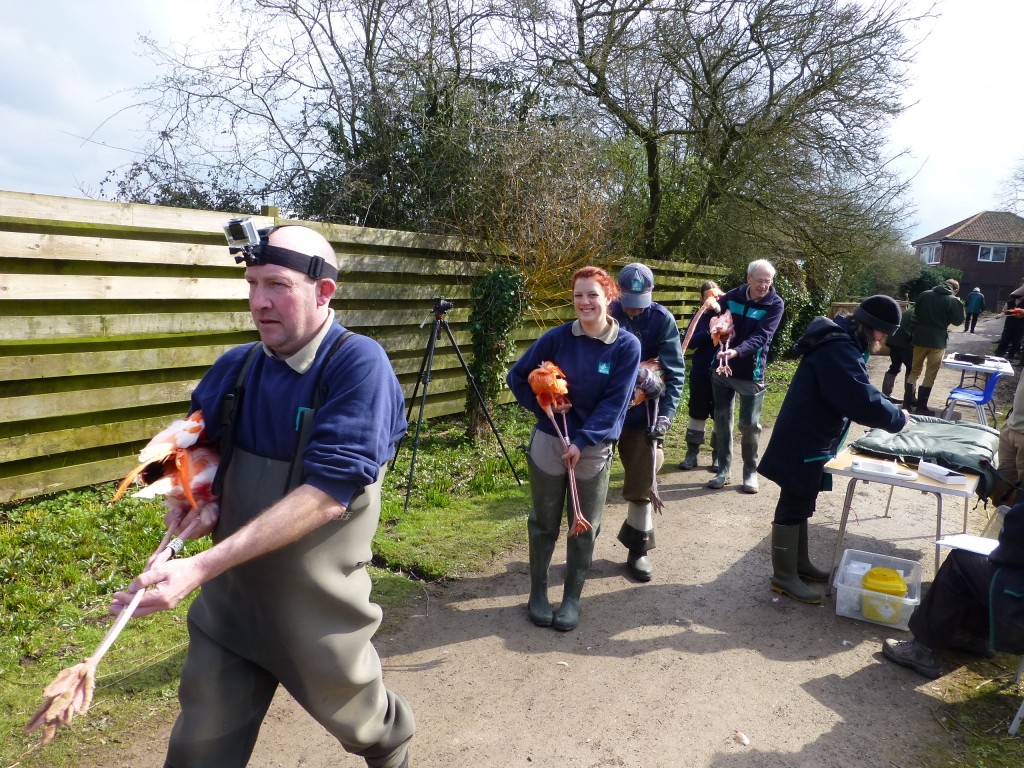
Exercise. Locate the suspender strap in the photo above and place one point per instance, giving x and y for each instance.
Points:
(305, 425)
(228, 409)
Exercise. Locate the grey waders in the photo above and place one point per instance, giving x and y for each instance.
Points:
(593, 495)
(542, 526)
(785, 558)
(723, 443)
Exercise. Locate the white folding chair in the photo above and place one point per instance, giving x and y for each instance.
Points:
(1020, 712)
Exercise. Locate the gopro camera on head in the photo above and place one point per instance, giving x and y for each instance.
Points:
(241, 233)
(252, 246)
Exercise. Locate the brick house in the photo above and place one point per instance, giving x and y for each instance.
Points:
(988, 248)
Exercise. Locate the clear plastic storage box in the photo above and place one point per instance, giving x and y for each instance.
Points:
(885, 609)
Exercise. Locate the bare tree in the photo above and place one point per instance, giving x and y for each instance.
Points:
(338, 109)
(1012, 190)
(774, 110)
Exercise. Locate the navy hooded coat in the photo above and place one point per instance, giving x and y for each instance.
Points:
(829, 390)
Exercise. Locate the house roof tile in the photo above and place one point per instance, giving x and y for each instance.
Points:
(984, 227)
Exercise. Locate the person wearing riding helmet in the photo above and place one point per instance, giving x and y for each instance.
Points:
(829, 390)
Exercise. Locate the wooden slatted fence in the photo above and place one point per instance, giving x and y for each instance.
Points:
(110, 313)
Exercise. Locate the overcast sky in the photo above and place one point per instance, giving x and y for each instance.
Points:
(67, 67)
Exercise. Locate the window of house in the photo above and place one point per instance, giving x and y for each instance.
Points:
(992, 253)
(929, 254)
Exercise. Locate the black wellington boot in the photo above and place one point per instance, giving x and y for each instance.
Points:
(909, 400)
(638, 544)
(922, 409)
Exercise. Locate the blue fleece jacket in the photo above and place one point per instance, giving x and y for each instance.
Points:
(755, 323)
(659, 337)
(360, 419)
(600, 378)
(830, 389)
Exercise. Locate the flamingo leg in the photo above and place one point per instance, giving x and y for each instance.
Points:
(579, 522)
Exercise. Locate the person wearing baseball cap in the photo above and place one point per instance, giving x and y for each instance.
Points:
(829, 391)
(659, 384)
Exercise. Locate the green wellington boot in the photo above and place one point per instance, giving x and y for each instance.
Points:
(593, 495)
(804, 567)
(693, 443)
(542, 527)
(541, 549)
(785, 543)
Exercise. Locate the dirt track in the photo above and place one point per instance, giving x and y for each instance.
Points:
(658, 674)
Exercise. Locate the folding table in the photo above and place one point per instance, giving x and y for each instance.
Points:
(841, 466)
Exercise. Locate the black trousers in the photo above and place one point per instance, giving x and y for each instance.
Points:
(1011, 337)
(702, 403)
(957, 599)
(793, 509)
(900, 357)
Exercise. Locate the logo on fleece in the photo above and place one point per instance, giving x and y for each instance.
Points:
(604, 367)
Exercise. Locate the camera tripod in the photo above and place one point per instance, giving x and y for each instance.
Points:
(441, 307)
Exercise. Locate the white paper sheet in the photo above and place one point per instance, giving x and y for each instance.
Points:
(969, 542)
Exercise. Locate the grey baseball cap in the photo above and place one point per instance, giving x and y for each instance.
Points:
(635, 284)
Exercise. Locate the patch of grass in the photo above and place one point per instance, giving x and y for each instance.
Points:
(980, 700)
(777, 378)
(61, 558)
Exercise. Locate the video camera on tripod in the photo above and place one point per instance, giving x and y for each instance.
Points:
(441, 307)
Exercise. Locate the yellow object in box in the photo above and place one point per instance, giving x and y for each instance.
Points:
(879, 607)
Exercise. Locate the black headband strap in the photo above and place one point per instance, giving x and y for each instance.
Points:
(264, 253)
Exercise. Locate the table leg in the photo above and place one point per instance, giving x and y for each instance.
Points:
(889, 500)
(938, 526)
(842, 532)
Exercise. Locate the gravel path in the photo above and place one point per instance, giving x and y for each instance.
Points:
(659, 674)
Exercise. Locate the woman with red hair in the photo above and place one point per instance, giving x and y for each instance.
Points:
(599, 361)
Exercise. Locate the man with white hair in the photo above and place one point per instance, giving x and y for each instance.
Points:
(756, 311)
(306, 420)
